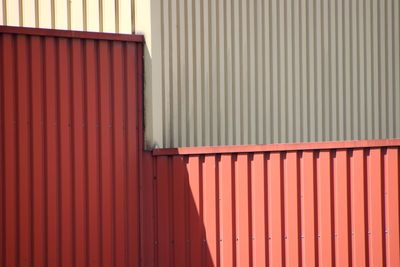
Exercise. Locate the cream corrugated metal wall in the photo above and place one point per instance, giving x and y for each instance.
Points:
(87, 15)
(256, 71)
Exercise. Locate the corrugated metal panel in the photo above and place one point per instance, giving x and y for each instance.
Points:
(277, 71)
(280, 206)
(69, 149)
(88, 15)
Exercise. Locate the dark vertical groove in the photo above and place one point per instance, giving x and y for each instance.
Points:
(250, 157)
(17, 146)
(187, 86)
(202, 70)
(112, 69)
(282, 157)
(226, 75)
(286, 87)
(45, 147)
(241, 40)
(201, 210)
(307, 134)
(5, 20)
(233, 72)
(155, 210)
(366, 155)
(233, 197)
(299, 224)
(116, 6)
(163, 108)
(99, 145)
(315, 200)
(395, 133)
(210, 80)
(30, 148)
(86, 149)
(217, 208)
(266, 215)
(337, 70)
(278, 139)
(315, 75)
(249, 89)
(351, 73)
(101, 17)
(125, 145)
(302, 126)
(195, 114)
(372, 72)
(53, 14)
(58, 152)
(36, 14)
(256, 85)
(170, 74)
(383, 154)
(358, 134)
(72, 154)
(218, 78)
(379, 95)
(178, 81)
(69, 14)
(323, 88)
(343, 72)
(263, 138)
(84, 14)
(271, 84)
(332, 206)
(188, 199)
(20, 12)
(349, 196)
(330, 133)
(171, 213)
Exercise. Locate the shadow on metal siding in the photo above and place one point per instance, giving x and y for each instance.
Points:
(69, 151)
(321, 207)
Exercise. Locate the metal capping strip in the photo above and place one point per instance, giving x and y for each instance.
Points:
(73, 34)
(276, 147)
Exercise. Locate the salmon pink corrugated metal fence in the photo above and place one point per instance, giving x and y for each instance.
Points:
(282, 205)
(69, 148)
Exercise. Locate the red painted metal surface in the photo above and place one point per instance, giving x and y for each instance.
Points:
(322, 204)
(70, 112)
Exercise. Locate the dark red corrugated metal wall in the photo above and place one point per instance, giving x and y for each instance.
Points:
(70, 124)
(279, 205)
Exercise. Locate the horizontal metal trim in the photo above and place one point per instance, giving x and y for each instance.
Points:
(73, 34)
(275, 147)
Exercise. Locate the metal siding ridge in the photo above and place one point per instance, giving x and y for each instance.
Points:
(275, 147)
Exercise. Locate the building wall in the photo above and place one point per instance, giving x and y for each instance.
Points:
(85, 15)
(250, 72)
(318, 204)
(253, 72)
(70, 140)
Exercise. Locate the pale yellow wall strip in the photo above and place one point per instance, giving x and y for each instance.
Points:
(12, 11)
(93, 15)
(28, 13)
(1, 13)
(76, 13)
